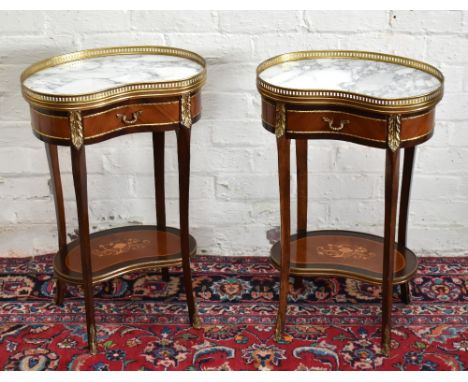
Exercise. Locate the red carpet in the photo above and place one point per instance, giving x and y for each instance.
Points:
(333, 324)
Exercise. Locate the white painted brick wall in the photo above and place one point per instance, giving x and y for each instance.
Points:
(234, 193)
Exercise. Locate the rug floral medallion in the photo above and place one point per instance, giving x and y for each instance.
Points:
(332, 323)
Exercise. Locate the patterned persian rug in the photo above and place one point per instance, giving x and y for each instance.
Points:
(333, 323)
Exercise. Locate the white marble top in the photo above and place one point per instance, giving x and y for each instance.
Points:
(366, 77)
(102, 73)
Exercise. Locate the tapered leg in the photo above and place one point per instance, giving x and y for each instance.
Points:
(54, 168)
(301, 163)
(165, 274)
(78, 158)
(301, 160)
(283, 145)
(405, 292)
(59, 292)
(392, 169)
(183, 151)
(403, 218)
(158, 154)
(298, 282)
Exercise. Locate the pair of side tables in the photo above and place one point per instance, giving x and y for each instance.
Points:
(372, 99)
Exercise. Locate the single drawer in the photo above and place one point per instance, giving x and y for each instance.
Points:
(346, 125)
(131, 116)
(337, 124)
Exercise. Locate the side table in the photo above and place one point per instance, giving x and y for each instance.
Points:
(372, 99)
(90, 96)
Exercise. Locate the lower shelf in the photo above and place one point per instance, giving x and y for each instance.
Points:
(344, 253)
(120, 250)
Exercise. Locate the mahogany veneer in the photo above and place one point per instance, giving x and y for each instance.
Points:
(120, 250)
(83, 118)
(344, 253)
(294, 111)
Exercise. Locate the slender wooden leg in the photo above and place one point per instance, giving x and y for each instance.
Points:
(78, 158)
(301, 160)
(183, 153)
(298, 282)
(60, 292)
(158, 154)
(283, 145)
(405, 292)
(54, 168)
(392, 169)
(403, 218)
(301, 163)
(165, 274)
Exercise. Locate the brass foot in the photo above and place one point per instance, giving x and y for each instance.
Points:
(278, 335)
(386, 350)
(196, 321)
(278, 330)
(386, 342)
(92, 340)
(93, 348)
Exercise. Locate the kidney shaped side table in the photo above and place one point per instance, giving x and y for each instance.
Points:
(372, 99)
(90, 96)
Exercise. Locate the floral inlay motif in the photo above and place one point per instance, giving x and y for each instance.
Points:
(119, 247)
(345, 251)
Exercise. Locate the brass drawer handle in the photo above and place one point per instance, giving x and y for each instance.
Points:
(135, 116)
(330, 121)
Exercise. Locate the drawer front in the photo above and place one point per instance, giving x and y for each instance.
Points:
(131, 116)
(347, 125)
(99, 124)
(337, 125)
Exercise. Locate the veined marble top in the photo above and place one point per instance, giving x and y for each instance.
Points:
(101, 73)
(366, 77)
